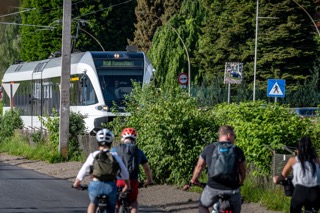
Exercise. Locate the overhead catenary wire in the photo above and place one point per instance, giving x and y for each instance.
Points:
(29, 25)
(10, 14)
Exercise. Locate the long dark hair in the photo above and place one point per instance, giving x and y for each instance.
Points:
(306, 152)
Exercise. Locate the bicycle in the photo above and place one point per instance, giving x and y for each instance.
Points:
(123, 198)
(289, 189)
(222, 205)
(102, 199)
(124, 202)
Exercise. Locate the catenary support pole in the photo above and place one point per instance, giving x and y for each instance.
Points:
(65, 80)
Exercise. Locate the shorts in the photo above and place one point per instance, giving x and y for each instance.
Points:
(109, 188)
(133, 196)
(208, 198)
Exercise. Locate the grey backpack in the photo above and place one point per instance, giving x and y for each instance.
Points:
(223, 168)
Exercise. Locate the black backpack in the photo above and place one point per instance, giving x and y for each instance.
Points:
(224, 168)
(105, 166)
(129, 155)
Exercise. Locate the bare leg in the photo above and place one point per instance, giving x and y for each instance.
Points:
(134, 207)
(91, 208)
(203, 209)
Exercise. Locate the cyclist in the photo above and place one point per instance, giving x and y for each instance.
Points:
(213, 188)
(306, 176)
(104, 138)
(128, 138)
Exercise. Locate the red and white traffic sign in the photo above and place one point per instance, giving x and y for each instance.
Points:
(183, 78)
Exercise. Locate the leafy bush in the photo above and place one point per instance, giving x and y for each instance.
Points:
(173, 130)
(76, 127)
(9, 122)
(258, 125)
(17, 145)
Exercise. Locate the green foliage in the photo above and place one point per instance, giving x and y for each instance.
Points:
(149, 15)
(269, 197)
(171, 58)
(258, 125)
(171, 131)
(52, 125)
(37, 136)
(1, 107)
(9, 122)
(9, 41)
(76, 127)
(96, 25)
(17, 145)
(228, 35)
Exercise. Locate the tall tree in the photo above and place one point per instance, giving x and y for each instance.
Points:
(149, 15)
(9, 36)
(286, 46)
(96, 25)
(173, 41)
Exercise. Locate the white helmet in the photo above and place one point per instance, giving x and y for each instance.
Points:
(104, 136)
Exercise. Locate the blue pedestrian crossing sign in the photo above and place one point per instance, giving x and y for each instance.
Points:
(276, 88)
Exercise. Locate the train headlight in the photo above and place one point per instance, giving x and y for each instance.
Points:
(103, 108)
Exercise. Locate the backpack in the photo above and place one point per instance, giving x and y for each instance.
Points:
(224, 168)
(129, 155)
(105, 166)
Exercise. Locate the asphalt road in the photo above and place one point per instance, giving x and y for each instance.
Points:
(25, 190)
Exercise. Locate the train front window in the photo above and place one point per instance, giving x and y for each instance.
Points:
(117, 83)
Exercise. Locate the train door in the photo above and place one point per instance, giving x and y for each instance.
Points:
(36, 99)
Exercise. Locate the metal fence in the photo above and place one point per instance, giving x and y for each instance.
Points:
(280, 158)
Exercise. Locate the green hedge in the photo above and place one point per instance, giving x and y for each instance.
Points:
(172, 130)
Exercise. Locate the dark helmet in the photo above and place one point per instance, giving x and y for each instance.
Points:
(128, 133)
(104, 137)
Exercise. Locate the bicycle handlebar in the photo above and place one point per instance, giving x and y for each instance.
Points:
(285, 181)
(190, 184)
(80, 187)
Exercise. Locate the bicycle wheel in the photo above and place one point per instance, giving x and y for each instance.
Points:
(99, 210)
(123, 209)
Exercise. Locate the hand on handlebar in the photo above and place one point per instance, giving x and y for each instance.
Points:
(278, 179)
(196, 183)
(80, 187)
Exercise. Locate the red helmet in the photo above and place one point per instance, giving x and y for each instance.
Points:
(128, 133)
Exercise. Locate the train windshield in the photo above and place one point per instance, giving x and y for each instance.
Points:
(116, 78)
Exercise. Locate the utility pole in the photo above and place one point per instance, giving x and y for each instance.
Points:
(65, 80)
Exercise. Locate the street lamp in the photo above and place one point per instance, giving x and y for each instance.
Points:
(184, 46)
(256, 41)
(256, 49)
(82, 21)
(314, 23)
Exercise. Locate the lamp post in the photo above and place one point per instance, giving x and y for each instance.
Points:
(314, 23)
(256, 49)
(82, 21)
(184, 46)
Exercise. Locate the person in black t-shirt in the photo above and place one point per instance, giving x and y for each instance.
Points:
(212, 189)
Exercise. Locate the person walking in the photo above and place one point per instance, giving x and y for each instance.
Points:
(306, 177)
(220, 178)
(106, 167)
(132, 157)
